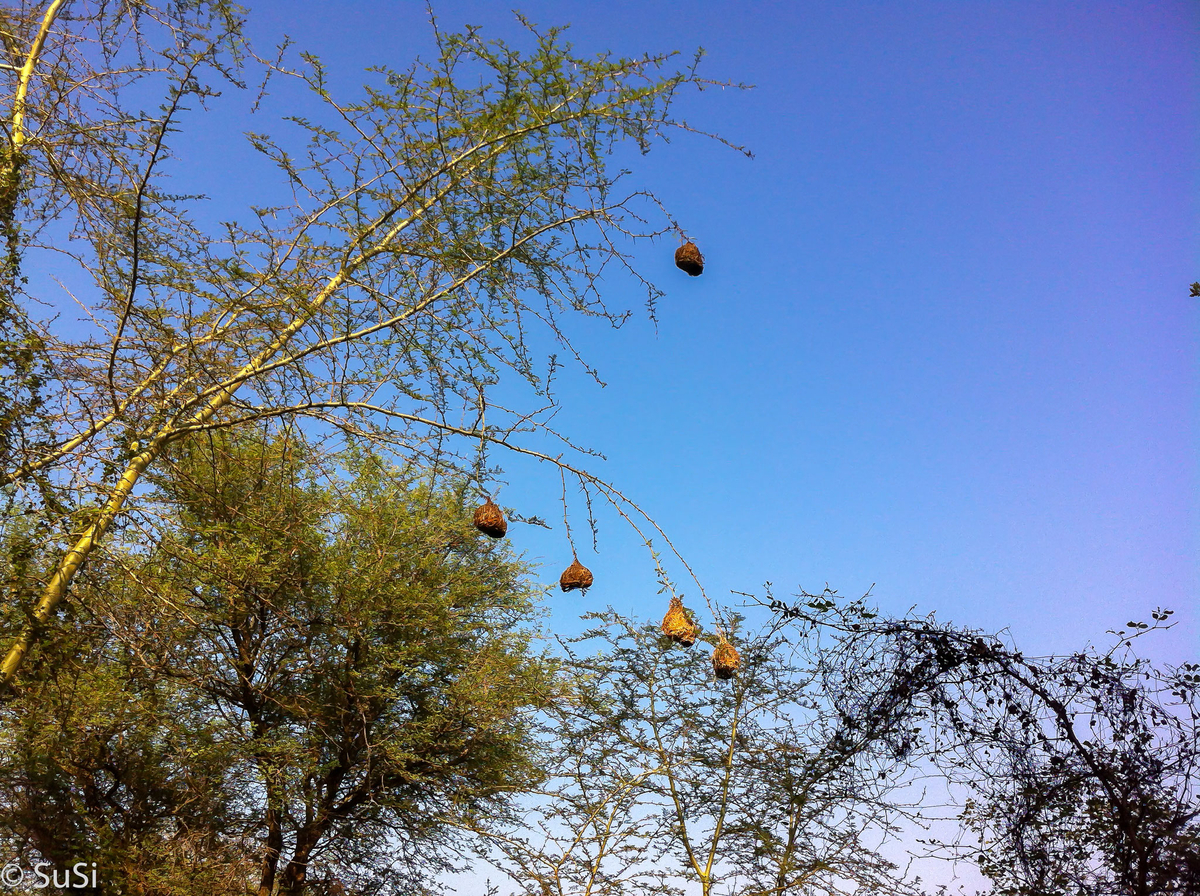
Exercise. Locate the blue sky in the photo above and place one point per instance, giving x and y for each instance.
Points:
(943, 343)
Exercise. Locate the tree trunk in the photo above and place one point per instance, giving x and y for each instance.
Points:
(274, 846)
(296, 872)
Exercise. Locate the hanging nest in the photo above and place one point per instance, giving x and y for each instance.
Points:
(689, 259)
(490, 521)
(576, 576)
(725, 659)
(677, 624)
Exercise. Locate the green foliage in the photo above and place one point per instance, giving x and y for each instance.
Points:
(24, 368)
(301, 679)
(441, 229)
(105, 760)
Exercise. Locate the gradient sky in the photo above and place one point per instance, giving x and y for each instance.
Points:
(943, 343)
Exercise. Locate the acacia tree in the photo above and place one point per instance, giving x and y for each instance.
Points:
(1080, 771)
(303, 683)
(77, 170)
(440, 228)
(664, 780)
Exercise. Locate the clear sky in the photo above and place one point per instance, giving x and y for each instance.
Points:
(943, 345)
(943, 342)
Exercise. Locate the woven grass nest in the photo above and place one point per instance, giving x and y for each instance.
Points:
(677, 624)
(490, 520)
(575, 576)
(689, 259)
(725, 660)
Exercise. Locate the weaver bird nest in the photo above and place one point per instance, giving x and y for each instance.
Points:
(677, 624)
(575, 576)
(725, 660)
(689, 259)
(490, 520)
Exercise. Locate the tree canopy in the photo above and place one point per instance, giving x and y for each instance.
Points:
(442, 229)
(297, 671)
